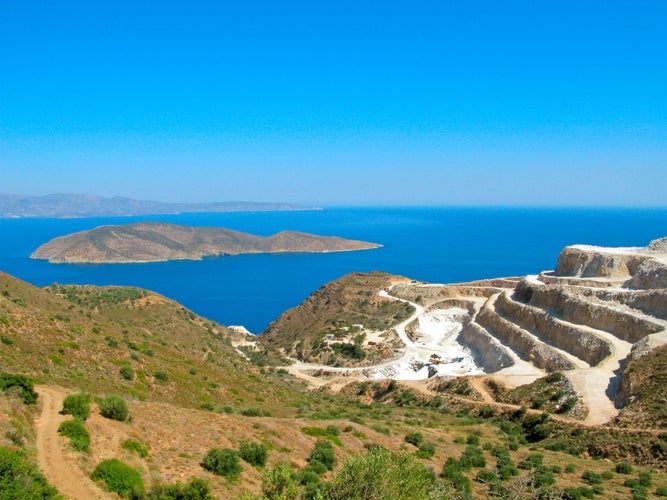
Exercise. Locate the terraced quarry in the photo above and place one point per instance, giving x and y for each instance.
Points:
(598, 310)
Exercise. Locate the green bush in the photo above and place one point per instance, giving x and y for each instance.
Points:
(21, 384)
(324, 454)
(196, 489)
(472, 456)
(77, 405)
(254, 411)
(20, 479)
(77, 433)
(645, 479)
(119, 478)
(127, 372)
(279, 484)
(661, 491)
(426, 450)
(161, 376)
(383, 475)
(132, 445)
(223, 462)
(473, 439)
(415, 438)
(114, 407)
(624, 468)
(591, 477)
(255, 454)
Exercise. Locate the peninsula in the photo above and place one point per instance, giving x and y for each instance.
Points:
(159, 242)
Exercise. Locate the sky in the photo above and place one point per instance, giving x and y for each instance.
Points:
(510, 103)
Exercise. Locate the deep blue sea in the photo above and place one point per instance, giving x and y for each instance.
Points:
(431, 244)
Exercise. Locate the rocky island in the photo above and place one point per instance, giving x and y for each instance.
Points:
(159, 242)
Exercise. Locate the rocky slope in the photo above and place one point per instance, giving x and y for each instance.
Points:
(155, 242)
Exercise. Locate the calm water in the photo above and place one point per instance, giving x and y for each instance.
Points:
(430, 244)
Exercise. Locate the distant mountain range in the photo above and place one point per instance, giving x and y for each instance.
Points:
(158, 241)
(77, 205)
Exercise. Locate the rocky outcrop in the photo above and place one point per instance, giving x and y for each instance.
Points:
(638, 267)
(587, 261)
(156, 242)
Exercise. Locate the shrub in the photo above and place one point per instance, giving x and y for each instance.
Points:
(160, 376)
(114, 407)
(119, 477)
(426, 450)
(196, 489)
(307, 477)
(623, 468)
(255, 454)
(77, 405)
(591, 477)
(21, 479)
(661, 491)
(132, 445)
(253, 411)
(415, 438)
(77, 433)
(324, 454)
(645, 479)
(127, 372)
(382, 474)
(472, 457)
(21, 384)
(223, 462)
(473, 439)
(326, 433)
(333, 430)
(279, 484)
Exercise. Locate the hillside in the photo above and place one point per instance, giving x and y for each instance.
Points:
(520, 429)
(81, 336)
(76, 205)
(338, 311)
(155, 242)
(595, 319)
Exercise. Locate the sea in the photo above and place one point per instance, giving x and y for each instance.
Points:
(432, 244)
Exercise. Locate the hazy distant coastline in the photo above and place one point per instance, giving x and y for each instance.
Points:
(62, 206)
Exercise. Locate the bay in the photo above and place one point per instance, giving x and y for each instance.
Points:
(435, 244)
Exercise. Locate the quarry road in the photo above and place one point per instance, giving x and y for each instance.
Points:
(58, 463)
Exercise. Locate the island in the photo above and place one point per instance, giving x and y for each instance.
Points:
(159, 242)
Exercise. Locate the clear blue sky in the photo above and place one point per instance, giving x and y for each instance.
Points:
(337, 102)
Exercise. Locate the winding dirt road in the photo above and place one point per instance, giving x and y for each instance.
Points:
(58, 463)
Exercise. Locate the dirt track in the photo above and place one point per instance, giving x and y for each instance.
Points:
(57, 462)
